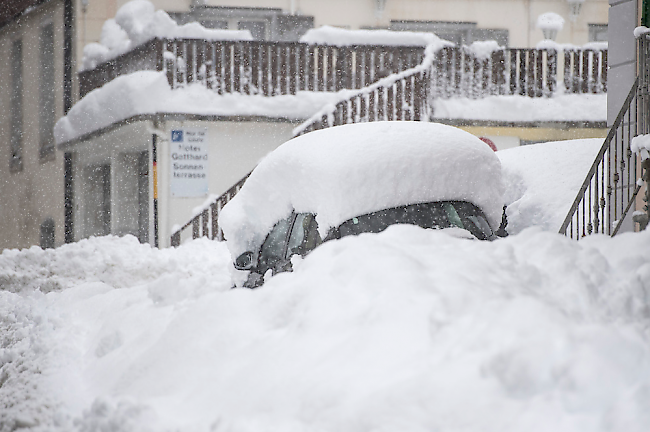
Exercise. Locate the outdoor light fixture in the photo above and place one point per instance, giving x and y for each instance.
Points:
(574, 9)
(550, 23)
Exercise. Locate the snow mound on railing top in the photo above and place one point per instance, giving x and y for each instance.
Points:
(327, 35)
(137, 22)
(346, 171)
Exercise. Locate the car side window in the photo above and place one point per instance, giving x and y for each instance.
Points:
(304, 236)
(272, 250)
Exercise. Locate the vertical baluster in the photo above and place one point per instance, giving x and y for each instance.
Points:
(265, 66)
(363, 108)
(293, 63)
(603, 71)
(372, 107)
(399, 100)
(255, 68)
(523, 72)
(227, 67)
(390, 103)
(551, 77)
(408, 96)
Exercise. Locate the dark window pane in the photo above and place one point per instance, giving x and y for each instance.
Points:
(16, 137)
(304, 235)
(46, 107)
(257, 28)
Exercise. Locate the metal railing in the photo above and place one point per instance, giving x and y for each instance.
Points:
(206, 223)
(611, 187)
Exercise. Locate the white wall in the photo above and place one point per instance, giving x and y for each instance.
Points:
(235, 148)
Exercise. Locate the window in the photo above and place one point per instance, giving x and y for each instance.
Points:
(16, 134)
(597, 32)
(461, 33)
(257, 28)
(46, 106)
(215, 24)
(47, 233)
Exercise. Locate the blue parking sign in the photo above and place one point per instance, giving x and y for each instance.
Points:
(177, 136)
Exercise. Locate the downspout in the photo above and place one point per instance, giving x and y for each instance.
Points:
(68, 60)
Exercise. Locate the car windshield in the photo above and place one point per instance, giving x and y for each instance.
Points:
(444, 214)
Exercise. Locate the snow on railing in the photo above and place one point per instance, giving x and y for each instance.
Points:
(284, 68)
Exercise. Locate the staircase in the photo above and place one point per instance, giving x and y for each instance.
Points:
(613, 183)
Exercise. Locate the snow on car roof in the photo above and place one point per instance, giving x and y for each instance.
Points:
(346, 171)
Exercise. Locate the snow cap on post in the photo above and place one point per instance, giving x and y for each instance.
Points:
(550, 23)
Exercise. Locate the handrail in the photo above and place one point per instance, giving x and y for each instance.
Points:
(206, 222)
(610, 187)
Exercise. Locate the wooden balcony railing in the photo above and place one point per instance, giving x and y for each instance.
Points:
(284, 68)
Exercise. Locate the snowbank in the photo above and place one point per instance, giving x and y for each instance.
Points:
(346, 171)
(563, 108)
(148, 92)
(327, 35)
(136, 22)
(405, 330)
(542, 181)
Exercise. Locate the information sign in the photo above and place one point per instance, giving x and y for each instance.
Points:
(189, 162)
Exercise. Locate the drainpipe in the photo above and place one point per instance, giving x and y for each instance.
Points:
(68, 59)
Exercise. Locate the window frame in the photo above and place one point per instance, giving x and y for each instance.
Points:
(16, 101)
(47, 96)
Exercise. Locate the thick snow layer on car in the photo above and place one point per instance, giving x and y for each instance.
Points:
(409, 330)
(137, 22)
(346, 171)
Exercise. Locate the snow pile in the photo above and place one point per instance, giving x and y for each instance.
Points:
(346, 171)
(136, 22)
(515, 108)
(641, 30)
(409, 330)
(550, 21)
(327, 35)
(542, 181)
(483, 50)
(148, 92)
(549, 44)
(641, 145)
(120, 262)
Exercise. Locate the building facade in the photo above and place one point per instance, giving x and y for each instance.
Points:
(37, 88)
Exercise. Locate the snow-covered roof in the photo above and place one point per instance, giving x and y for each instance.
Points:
(148, 92)
(346, 171)
(136, 22)
(515, 108)
(327, 35)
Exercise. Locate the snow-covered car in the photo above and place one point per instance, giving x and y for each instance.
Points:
(361, 178)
